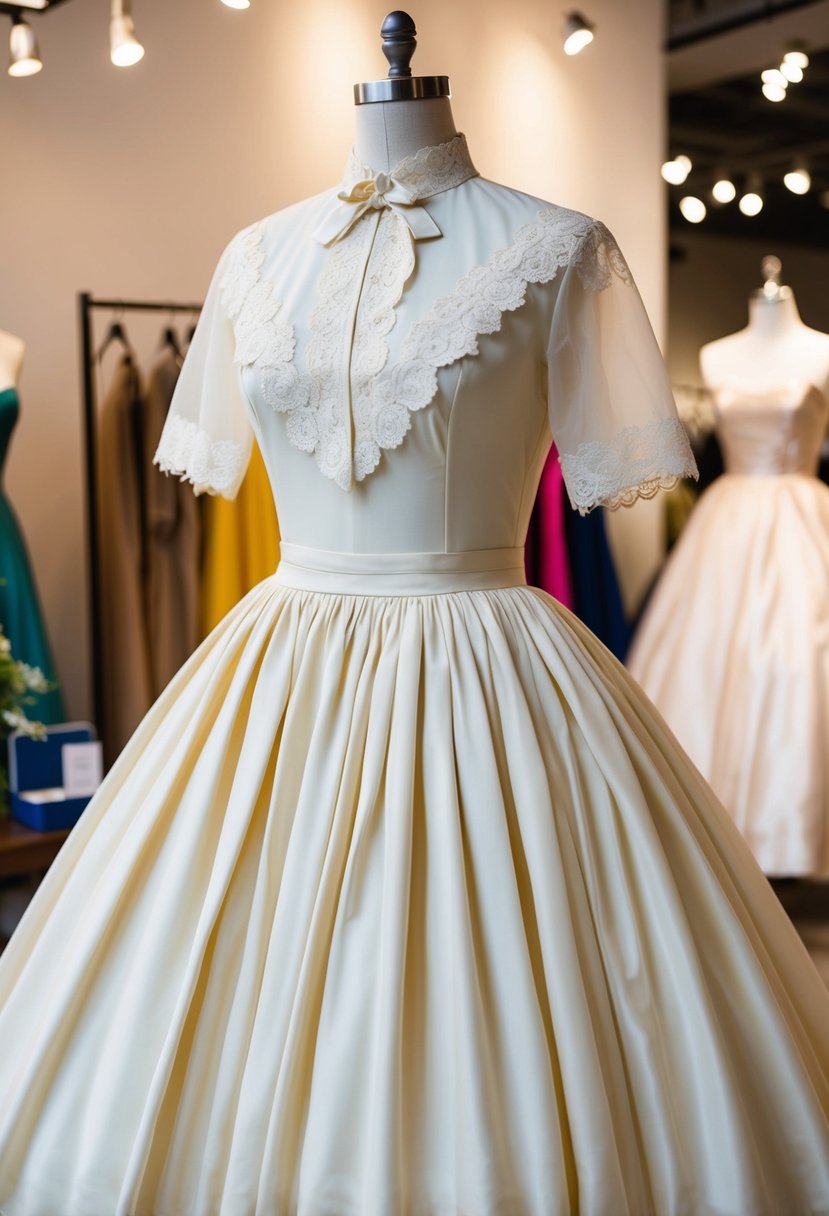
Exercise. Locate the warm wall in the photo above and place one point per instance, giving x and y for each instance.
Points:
(129, 183)
(710, 285)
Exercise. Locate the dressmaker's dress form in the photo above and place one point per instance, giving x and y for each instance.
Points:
(734, 646)
(403, 900)
(20, 614)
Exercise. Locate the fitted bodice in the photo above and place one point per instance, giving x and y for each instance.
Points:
(773, 433)
(404, 348)
(9, 414)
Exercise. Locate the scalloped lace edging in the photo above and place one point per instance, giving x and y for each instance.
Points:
(212, 466)
(637, 463)
(384, 400)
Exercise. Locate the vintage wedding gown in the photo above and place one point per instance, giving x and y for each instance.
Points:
(403, 901)
(734, 646)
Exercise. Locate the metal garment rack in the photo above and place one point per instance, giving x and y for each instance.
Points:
(88, 305)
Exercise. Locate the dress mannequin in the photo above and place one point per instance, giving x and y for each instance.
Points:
(732, 648)
(774, 348)
(12, 351)
(399, 116)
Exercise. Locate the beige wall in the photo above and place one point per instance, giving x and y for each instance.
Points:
(129, 183)
(711, 284)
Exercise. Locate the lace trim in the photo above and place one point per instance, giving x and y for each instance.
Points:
(263, 335)
(317, 416)
(636, 463)
(213, 466)
(426, 172)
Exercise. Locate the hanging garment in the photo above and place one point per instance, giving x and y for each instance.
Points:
(545, 552)
(402, 898)
(734, 645)
(597, 599)
(171, 540)
(240, 546)
(126, 675)
(20, 613)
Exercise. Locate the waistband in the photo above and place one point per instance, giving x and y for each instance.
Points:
(399, 573)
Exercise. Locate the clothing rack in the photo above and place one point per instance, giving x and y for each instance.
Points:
(88, 305)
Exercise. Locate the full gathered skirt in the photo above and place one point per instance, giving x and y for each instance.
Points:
(408, 906)
(734, 651)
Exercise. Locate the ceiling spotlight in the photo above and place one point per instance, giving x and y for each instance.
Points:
(774, 92)
(798, 180)
(24, 56)
(797, 57)
(578, 33)
(751, 202)
(124, 47)
(724, 190)
(791, 72)
(675, 171)
(693, 209)
(237, 3)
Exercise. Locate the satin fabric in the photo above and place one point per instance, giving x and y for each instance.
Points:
(408, 903)
(546, 561)
(734, 645)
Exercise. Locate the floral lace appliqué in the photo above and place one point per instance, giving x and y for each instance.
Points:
(636, 463)
(263, 336)
(213, 466)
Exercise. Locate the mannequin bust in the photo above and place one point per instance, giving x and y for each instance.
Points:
(12, 351)
(398, 116)
(774, 348)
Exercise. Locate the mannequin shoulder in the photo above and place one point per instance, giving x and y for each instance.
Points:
(289, 223)
(521, 207)
(12, 352)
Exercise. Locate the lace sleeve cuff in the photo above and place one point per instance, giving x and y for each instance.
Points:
(636, 463)
(212, 466)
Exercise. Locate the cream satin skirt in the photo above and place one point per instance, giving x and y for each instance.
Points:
(734, 651)
(403, 901)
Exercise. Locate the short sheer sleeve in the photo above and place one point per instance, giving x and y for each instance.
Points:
(207, 437)
(612, 414)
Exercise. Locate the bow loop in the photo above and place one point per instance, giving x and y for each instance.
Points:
(374, 194)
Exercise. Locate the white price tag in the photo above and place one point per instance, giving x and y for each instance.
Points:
(83, 768)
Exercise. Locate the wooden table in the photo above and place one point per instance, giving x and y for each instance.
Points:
(23, 851)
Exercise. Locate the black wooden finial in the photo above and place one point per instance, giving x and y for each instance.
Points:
(399, 43)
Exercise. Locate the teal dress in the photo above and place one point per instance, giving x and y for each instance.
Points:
(20, 613)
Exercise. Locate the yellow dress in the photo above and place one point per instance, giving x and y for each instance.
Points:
(240, 544)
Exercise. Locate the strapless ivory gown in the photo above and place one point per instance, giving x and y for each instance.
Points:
(403, 901)
(734, 646)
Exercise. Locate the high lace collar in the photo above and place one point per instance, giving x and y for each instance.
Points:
(426, 172)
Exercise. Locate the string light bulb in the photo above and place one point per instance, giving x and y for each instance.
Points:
(751, 202)
(676, 171)
(724, 190)
(791, 72)
(578, 33)
(796, 57)
(236, 3)
(798, 180)
(124, 47)
(693, 209)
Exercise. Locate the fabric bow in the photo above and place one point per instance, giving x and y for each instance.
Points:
(373, 194)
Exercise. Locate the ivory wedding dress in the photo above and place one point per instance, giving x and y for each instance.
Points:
(734, 646)
(403, 901)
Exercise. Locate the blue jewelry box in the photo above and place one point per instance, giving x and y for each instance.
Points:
(36, 777)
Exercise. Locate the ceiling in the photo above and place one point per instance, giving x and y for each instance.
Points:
(726, 124)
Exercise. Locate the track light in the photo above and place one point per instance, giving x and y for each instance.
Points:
(24, 56)
(751, 203)
(124, 47)
(693, 209)
(236, 3)
(798, 180)
(675, 171)
(724, 190)
(578, 33)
